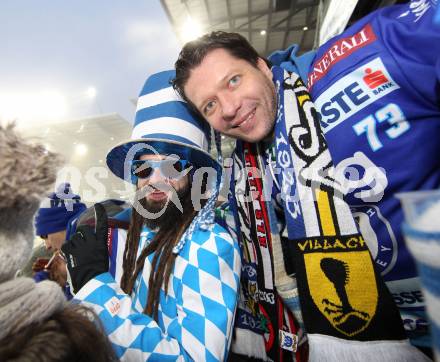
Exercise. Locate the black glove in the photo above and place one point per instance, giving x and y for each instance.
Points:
(86, 252)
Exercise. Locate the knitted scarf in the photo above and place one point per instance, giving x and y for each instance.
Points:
(348, 313)
(23, 302)
(261, 311)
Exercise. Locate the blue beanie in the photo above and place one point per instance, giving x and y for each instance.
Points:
(57, 209)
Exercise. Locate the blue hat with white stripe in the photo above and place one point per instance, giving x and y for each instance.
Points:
(164, 125)
(57, 210)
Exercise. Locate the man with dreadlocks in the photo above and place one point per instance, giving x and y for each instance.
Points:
(170, 288)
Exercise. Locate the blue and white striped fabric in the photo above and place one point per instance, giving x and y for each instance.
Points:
(425, 247)
(161, 113)
(164, 124)
(195, 318)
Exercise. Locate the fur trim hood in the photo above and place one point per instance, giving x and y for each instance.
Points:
(27, 172)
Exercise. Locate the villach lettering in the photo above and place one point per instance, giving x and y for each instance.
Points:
(353, 242)
(341, 49)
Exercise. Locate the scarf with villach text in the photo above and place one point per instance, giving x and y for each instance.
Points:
(264, 328)
(347, 311)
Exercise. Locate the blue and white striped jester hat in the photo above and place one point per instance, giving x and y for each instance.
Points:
(165, 125)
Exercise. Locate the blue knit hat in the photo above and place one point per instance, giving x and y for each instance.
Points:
(57, 209)
(165, 125)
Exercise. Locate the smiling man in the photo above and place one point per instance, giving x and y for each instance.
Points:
(170, 289)
(166, 183)
(238, 100)
(366, 117)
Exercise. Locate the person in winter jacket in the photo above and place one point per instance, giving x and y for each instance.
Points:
(167, 288)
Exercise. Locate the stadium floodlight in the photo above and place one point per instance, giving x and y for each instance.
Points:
(190, 30)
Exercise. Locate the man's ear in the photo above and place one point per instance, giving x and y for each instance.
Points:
(261, 64)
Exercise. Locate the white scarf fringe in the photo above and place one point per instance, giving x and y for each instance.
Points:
(249, 344)
(331, 349)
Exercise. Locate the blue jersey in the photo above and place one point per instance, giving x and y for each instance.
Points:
(377, 89)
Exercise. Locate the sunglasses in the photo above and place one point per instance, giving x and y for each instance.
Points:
(171, 169)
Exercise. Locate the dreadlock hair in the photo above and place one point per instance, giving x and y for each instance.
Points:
(193, 53)
(163, 260)
(64, 336)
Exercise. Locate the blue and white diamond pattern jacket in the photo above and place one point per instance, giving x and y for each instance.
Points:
(196, 317)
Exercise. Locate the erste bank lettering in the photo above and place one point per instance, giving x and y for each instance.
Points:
(354, 92)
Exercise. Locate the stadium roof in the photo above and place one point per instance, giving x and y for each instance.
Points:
(268, 24)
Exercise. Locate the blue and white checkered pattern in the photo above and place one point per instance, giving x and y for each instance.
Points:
(195, 318)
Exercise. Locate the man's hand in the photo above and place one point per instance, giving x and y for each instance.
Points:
(86, 252)
(58, 271)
